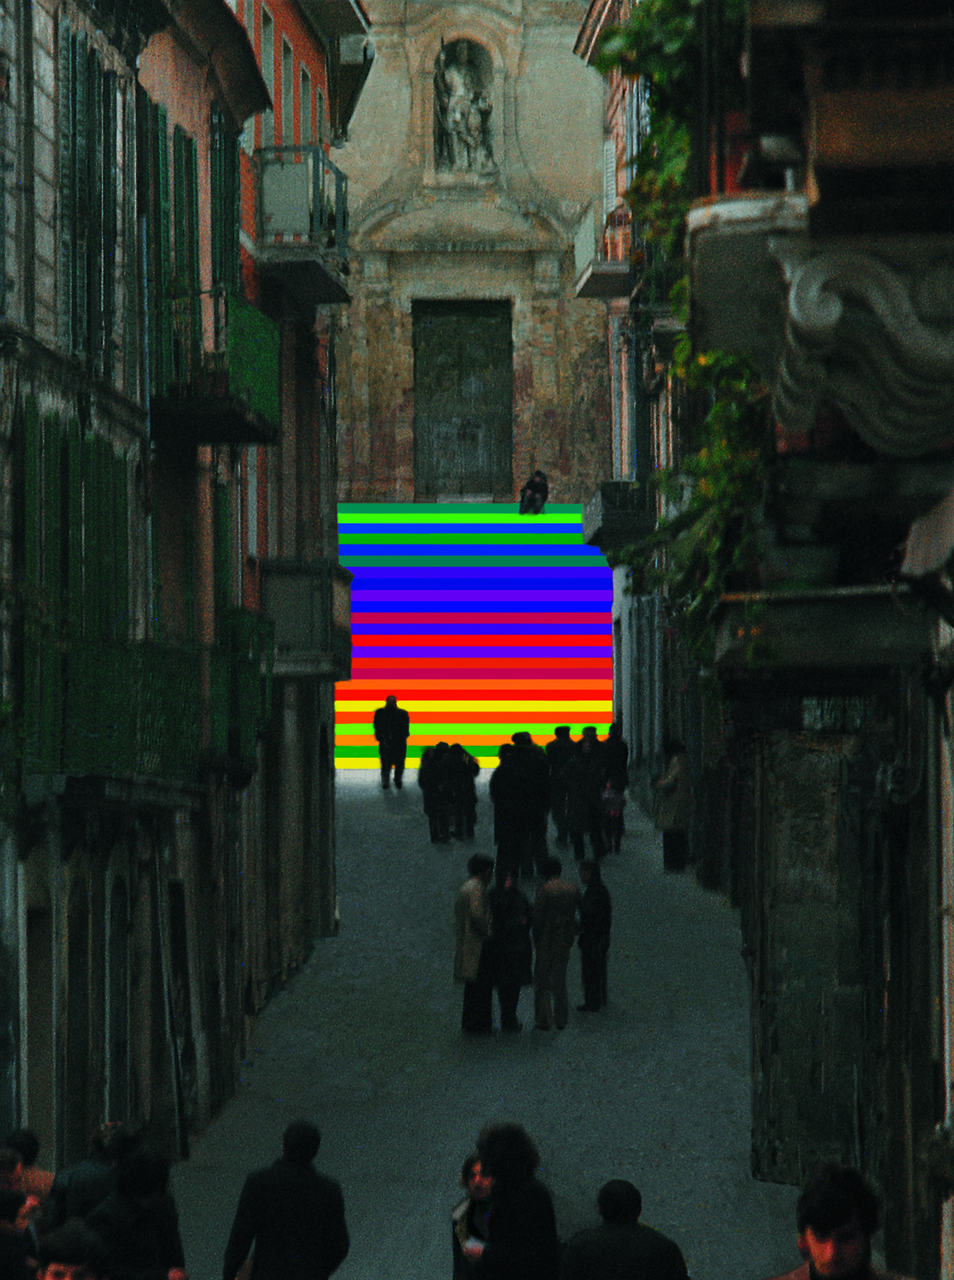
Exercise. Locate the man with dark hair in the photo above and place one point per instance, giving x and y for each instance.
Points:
(77, 1190)
(836, 1216)
(621, 1248)
(72, 1252)
(138, 1221)
(294, 1215)
(392, 728)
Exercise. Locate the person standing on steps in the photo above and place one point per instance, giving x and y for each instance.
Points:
(392, 728)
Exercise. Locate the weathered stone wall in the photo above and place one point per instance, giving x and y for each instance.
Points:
(423, 233)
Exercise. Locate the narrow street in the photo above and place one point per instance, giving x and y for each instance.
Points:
(366, 1041)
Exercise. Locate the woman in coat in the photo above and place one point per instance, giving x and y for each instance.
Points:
(471, 965)
(673, 806)
(522, 1239)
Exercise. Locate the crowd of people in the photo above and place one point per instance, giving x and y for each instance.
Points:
(505, 1227)
(112, 1217)
(504, 942)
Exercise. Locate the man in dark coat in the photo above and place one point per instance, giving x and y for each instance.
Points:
(138, 1222)
(77, 1190)
(621, 1248)
(392, 728)
(596, 917)
(294, 1215)
(533, 774)
(559, 752)
(510, 946)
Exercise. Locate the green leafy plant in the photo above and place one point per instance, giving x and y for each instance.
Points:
(706, 542)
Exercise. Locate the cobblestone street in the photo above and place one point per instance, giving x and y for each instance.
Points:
(366, 1041)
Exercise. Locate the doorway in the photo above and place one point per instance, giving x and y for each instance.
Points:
(463, 400)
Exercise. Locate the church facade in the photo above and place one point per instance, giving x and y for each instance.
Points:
(475, 166)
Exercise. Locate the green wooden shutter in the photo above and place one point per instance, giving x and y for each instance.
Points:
(66, 98)
(110, 112)
(222, 550)
(120, 543)
(81, 194)
(132, 250)
(162, 216)
(75, 612)
(95, 210)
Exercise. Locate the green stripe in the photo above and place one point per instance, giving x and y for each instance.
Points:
(412, 513)
(463, 562)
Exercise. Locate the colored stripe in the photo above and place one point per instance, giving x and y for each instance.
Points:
(480, 620)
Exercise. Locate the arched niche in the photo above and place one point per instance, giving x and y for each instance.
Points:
(463, 126)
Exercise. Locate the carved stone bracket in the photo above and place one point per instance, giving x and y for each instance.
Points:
(875, 341)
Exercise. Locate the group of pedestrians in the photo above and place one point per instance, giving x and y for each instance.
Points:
(504, 943)
(112, 1216)
(505, 1228)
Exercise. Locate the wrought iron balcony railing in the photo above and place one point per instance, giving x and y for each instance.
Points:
(303, 222)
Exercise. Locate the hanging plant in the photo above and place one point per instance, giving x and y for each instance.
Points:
(707, 543)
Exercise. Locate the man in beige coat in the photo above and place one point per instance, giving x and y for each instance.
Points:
(472, 917)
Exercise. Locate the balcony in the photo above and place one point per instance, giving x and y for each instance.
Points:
(303, 224)
(310, 605)
(833, 638)
(218, 376)
(618, 514)
(607, 273)
(109, 712)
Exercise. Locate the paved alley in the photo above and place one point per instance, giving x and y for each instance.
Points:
(366, 1041)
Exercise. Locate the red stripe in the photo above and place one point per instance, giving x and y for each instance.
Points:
(452, 619)
(490, 642)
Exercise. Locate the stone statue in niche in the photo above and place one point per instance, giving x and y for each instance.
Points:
(462, 110)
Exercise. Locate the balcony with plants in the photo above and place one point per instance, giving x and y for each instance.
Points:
(216, 379)
(303, 223)
(817, 404)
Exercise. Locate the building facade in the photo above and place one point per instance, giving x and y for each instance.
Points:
(172, 617)
(467, 362)
(822, 767)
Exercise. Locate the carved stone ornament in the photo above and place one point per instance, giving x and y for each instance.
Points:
(872, 341)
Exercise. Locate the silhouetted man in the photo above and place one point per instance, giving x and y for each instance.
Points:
(293, 1214)
(392, 728)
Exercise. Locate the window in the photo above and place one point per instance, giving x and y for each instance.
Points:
(307, 120)
(248, 18)
(288, 95)
(268, 75)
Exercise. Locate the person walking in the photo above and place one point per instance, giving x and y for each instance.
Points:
(433, 777)
(462, 770)
(506, 798)
(673, 806)
(392, 728)
(294, 1215)
(554, 928)
(584, 783)
(471, 962)
(559, 752)
(522, 1241)
(510, 945)
(138, 1221)
(533, 784)
(621, 1247)
(596, 918)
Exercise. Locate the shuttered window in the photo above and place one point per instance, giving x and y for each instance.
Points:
(88, 105)
(226, 213)
(153, 160)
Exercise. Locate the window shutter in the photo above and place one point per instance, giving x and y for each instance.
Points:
(120, 543)
(95, 211)
(132, 249)
(110, 258)
(163, 221)
(66, 98)
(81, 201)
(609, 177)
(75, 611)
